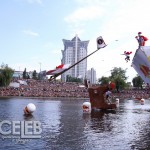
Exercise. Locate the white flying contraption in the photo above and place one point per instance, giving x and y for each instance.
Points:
(100, 42)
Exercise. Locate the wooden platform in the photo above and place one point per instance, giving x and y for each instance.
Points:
(97, 99)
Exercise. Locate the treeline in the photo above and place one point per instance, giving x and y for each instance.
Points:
(6, 74)
(118, 76)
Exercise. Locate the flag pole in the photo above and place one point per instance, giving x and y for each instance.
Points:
(56, 75)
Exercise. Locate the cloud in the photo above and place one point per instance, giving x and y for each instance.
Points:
(31, 1)
(94, 2)
(30, 33)
(114, 21)
(56, 51)
(48, 45)
(35, 1)
(84, 14)
(77, 20)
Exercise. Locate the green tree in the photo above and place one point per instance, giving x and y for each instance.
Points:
(28, 77)
(118, 75)
(34, 75)
(120, 83)
(73, 79)
(104, 80)
(6, 74)
(118, 72)
(68, 78)
(137, 82)
(25, 74)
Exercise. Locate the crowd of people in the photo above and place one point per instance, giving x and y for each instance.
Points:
(43, 88)
(133, 94)
(36, 88)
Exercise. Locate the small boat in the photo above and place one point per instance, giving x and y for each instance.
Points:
(97, 99)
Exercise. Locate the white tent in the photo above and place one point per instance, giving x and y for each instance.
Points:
(14, 84)
(22, 82)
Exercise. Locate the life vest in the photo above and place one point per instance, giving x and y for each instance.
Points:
(142, 40)
(145, 38)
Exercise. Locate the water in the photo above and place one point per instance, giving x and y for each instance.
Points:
(65, 127)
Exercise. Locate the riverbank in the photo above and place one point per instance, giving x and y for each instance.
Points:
(46, 89)
(49, 98)
(63, 90)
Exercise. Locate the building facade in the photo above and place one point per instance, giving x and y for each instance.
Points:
(91, 76)
(74, 50)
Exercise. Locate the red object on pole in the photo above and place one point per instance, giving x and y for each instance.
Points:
(60, 66)
(112, 85)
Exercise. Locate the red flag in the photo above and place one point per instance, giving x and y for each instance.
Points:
(60, 66)
(58, 69)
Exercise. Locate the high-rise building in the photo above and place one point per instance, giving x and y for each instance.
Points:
(91, 75)
(74, 50)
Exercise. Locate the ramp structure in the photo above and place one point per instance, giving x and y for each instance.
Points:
(97, 99)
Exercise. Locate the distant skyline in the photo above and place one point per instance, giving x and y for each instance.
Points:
(31, 32)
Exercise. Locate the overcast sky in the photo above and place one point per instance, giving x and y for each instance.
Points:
(31, 31)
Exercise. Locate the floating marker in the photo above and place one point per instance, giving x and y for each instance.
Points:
(117, 102)
(142, 101)
(86, 107)
(30, 108)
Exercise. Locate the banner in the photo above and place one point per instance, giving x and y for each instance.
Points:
(141, 63)
(100, 42)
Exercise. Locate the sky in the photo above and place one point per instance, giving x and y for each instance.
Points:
(31, 32)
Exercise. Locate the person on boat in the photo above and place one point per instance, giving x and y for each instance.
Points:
(107, 95)
(141, 39)
(86, 83)
(108, 92)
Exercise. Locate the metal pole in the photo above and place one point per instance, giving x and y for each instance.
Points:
(56, 75)
(40, 71)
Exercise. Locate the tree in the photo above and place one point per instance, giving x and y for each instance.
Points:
(6, 74)
(68, 78)
(24, 74)
(118, 75)
(120, 83)
(137, 82)
(104, 80)
(28, 77)
(118, 72)
(73, 79)
(34, 75)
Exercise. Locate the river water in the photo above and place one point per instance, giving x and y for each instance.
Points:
(65, 127)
